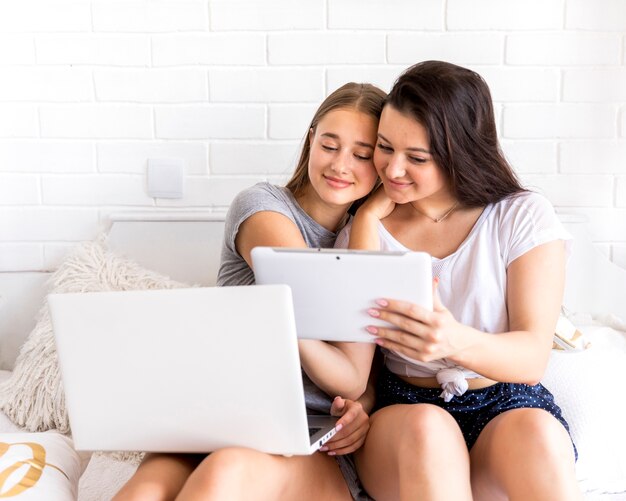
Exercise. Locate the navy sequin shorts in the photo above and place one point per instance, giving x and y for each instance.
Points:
(475, 408)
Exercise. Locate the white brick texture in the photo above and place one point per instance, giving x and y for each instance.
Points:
(573, 190)
(504, 14)
(210, 192)
(19, 189)
(17, 49)
(253, 158)
(95, 190)
(37, 16)
(96, 121)
(391, 14)
(81, 49)
(381, 76)
(620, 192)
(92, 89)
(326, 48)
(47, 84)
(289, 121)
(18, 120)
(214, 49)
(539, 84)
(266, 85)
(598, 15)
(45, 156)
(151, 85)
(153, 16)
(531, 156)
(210, 122)
(36, 224)
(566, 49)
(132, 157)
(274, 15)
(559, 121)
(458, 48)
(588, 157)
(595, 85)
(20, 256)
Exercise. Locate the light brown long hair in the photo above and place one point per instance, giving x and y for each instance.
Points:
(362, 97)
(454, 105)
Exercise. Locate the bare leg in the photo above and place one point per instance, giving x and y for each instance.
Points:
(159, 477)
(414, 452)
(244, 474)
(524, 454)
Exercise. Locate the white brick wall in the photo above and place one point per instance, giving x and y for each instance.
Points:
(90, 90)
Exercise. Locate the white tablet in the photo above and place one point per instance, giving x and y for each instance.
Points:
(332, 288)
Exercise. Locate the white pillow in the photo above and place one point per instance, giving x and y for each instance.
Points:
(36, 466)
(589, 388)
(33, 396)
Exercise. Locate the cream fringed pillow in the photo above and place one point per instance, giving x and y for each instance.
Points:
(33, 396)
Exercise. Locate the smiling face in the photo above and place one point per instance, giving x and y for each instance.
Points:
(404, 162)
(341, 167)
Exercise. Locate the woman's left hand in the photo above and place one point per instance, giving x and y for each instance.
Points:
(417, 332)
(354, 423)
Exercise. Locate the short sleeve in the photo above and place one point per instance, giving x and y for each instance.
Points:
(258, 198)
(529, 220)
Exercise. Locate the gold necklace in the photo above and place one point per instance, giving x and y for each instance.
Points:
(436, 219)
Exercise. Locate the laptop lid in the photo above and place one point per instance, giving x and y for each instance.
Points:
(182, 370)
(333, 288)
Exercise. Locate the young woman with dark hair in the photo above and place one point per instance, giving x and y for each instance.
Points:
(462, 414)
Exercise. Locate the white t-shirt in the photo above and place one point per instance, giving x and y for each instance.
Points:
(472, 280)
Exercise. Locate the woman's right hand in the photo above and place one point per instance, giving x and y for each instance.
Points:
(378, 204)
(354, 424)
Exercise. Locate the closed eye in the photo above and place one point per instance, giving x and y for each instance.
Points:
(384, 148)
(328, 148)
(417, 160)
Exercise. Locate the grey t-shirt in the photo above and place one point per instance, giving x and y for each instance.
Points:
(264, 197)
(235, 271)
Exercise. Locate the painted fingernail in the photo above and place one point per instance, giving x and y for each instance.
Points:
(332, 453)
(373, 312)
(338, 427)
(382, 302)
(379, 342)
(371, 329)
(324, 448)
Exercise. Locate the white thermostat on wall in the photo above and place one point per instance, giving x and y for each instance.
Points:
(166, 177)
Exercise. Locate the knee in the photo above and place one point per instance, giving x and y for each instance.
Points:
(144, 491)
(538, 431)
(223, 465)
(428, 425)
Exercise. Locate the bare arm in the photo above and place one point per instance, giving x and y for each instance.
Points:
(535, 283)
(337, 368)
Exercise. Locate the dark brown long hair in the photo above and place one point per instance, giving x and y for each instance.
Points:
(362, 97)
(454, 105)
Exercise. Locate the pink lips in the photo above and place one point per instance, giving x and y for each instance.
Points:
(336, 182)
(397, 185)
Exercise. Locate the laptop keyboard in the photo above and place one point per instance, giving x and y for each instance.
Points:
(313, 431)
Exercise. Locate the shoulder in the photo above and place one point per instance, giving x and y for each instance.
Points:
(526, 206)
(259, 194)
(526, 220)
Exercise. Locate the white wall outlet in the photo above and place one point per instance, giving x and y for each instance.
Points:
(166, 177)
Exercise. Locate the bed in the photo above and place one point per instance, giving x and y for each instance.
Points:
(182, 248)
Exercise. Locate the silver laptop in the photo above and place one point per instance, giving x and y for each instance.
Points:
(333, 288)
(184, 370)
